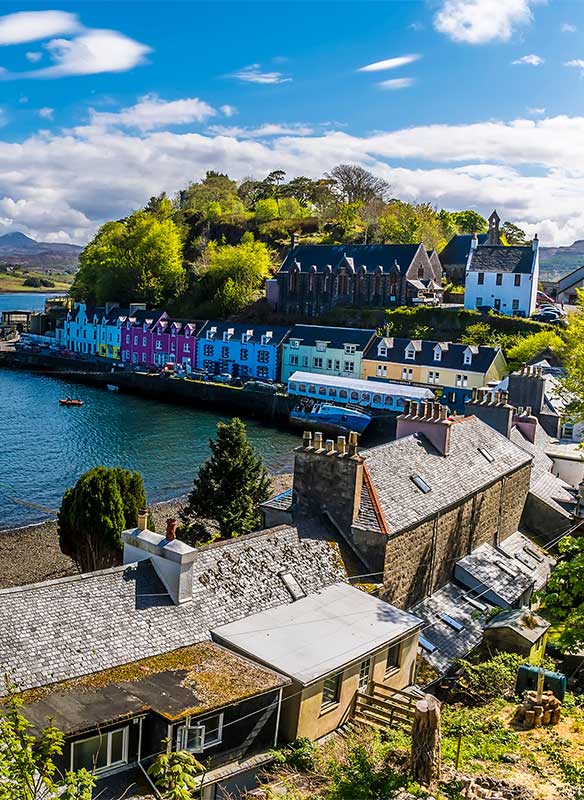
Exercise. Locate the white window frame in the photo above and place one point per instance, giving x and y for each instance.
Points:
(321, 347)
(467, 358)
(182, 733)
(107, 736)
(382, 350)
(410, 353)
(350, 349)
(294, 344)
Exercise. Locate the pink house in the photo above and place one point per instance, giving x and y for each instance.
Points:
(153, 339)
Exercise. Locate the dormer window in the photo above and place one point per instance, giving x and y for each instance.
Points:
(245, 337)
(321, 347)
(211, 332)
(437, 354)
(294, 344)
(382, 350)
(267, 337)
(350, 349)
(410, 353)
(467, 357)
(174, 331)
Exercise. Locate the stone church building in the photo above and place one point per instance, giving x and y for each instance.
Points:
(317, 278)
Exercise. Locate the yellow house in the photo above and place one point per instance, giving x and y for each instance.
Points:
(333, 644)
(452, 370)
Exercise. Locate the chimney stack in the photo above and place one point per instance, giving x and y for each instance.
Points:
(493, 409)
(429, 419)
(143, 519)
(353, 442)
(307, 439)
(330, 446)
(171, 525)
(318, 441)
(171, 559)
(341, 445)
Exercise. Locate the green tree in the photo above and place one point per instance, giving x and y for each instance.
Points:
(562, 601)
(266, 210)
(470, 222)
(573, 354)
(104, 502)
(231, 483)
(174, 773)
(27, 764)
(513, 235)
(399, 224)
(528, 347)
(479, 333)
(135, 259)
(232, 275)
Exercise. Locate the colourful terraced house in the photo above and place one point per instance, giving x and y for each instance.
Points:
(242, 350)
(451, 370)
(325, 350)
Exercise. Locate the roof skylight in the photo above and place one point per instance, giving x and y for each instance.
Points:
(421, 484)
(487, 454)
(426, 645)
(451, 622)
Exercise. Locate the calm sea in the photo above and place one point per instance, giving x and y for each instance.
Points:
(45, 447)
(25, 301)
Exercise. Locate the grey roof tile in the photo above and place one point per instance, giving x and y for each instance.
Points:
(498, 258)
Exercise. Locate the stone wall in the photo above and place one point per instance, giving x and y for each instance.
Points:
(514, 498)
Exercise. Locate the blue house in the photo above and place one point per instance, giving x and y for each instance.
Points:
(244, 350)
(325, 350)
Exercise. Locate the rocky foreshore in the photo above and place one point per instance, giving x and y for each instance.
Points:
(32, 554)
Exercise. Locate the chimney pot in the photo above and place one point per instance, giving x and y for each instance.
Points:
(475, 394)
(437, 410)
(443, 412)
(527, 411)
(407, 407)
(143, 519)
(171, 524)
(306, 439)
(341, 445)
(318, 440)
(330, 445)
(353, 441)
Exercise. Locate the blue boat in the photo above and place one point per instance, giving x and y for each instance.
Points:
(328, 418)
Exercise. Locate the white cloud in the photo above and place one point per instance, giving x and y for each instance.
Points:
(46, 112)
(33, 56)
(228, 110)
(536, 111)
(576, 63)
(30, 26)
(152, 112)
(254, 74)
(92, 52)
(264, 131)
(58, 184)
(567, 27)
(480, 21)
(532, 60)
(390, 63)
(396, 83)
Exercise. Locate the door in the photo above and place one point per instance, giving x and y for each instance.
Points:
(364, 675)
(497, 304)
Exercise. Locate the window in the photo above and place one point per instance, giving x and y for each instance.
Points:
(127, 338)
(350, 349)
(332, 392)
(159, 345)
(344, 394)
(421, 484)
(381, 371)
(433, 376)
(294, 344)
(462, 381)
(143, 341)
(382, 350)
(517, 280)
(354, 395)
(437, 354)
(321, 347)
(377, 398)
(187, 347)
(329, 363)
(410, 353)
(467, 357)
(198, 735)
(365, 397)
(311, 389)
(304, 361)
(515, 305)
(290, 582)
(499, 279)
(208, 366)
(208, 350)
(293, 361)
(426, 645)
(101, 752)
(143, 358)
(262, 372)
(407, 374)
(243, 354)
(349, 366)
(301, 387)
(337, 365)
(452, 623)
(479, 302)
(393, 658)
(322, 390)
(486, 454)
(364, 675)
(263, 356)
(331, 688)
(480, 278)
(317, 362)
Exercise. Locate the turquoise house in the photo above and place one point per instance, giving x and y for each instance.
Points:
(325, 350)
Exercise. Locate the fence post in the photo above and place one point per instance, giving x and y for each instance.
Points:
(426, 752)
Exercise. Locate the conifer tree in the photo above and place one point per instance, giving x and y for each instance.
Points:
(104, 502)
(230, 484)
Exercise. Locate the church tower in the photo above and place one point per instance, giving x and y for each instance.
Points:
(494, 236)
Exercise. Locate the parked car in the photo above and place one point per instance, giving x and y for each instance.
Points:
(555, 309)
(260, 386)
(222, 377)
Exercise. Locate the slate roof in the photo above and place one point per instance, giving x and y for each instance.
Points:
(452, 354)
(281, 502)
(371, 256)
(498, 258)
(458, 248)
(529, 557)
(63, 629)
(318, 634)
(239, 328)
(522, 621)
(336, 338)
(483, 566)
(451, 645)
(571, 279)
(451, 479)
(192, 680)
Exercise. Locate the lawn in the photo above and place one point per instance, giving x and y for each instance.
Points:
(14, 282)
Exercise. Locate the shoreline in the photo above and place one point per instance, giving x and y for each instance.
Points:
(31, 554)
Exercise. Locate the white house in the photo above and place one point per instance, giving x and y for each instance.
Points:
(502, 278)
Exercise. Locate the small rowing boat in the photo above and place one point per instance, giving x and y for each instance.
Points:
(70, 401)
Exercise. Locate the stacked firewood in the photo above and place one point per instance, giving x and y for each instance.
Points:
(536, 711)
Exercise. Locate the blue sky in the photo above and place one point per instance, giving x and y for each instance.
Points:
(464, 103)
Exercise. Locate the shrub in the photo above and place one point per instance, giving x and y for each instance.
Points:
(490, 679)
(299, 754)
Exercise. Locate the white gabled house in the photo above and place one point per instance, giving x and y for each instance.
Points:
(502, 278)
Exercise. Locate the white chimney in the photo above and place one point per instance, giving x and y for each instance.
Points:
(172, 560)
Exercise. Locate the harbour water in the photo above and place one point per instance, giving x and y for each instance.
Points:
(44, 447)
(25, 301)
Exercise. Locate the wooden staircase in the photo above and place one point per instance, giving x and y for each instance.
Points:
(382, 707)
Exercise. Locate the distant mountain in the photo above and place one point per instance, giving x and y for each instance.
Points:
(16, 248)
(557, 261)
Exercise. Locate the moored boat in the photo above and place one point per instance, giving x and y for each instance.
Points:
(329, 418)
(70, 401)
(111, 388)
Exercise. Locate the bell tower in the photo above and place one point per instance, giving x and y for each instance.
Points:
(494, 236)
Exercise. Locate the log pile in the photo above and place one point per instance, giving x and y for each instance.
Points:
(536, 711)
